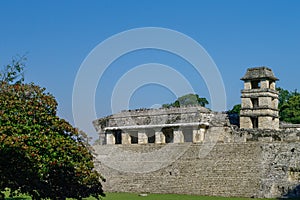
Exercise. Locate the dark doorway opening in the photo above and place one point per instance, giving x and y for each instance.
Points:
(169, 135)
(254, 122)
(255, 84)
(118, 136)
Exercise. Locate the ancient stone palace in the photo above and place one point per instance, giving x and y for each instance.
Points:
(193, 150)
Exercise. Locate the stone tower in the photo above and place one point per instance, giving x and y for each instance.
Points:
(259, 107)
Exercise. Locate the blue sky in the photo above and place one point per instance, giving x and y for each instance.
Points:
(57, 36)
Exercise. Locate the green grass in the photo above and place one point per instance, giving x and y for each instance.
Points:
(130, 196)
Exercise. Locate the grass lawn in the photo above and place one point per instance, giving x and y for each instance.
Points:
(129, 196)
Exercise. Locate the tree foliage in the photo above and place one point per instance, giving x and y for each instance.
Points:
(235, 110)
(289, 106)
(13, 72)
(187, 100)
(41, 154)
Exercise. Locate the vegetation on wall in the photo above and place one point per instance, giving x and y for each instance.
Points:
(41, 154)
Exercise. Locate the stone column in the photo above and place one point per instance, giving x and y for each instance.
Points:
(178, 135)
(159, 136)
(202, 132)
(142, 136)
(126, 139)
(198, 134)
(264, 84)
(110, 138)
(272, 85)
(247, 85)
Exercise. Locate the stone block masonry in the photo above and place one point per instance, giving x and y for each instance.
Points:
(250, 169)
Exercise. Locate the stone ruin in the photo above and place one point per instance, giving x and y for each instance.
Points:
(193, 150)
(259, 108)
(158, 126)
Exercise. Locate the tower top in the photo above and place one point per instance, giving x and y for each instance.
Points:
(259, 73)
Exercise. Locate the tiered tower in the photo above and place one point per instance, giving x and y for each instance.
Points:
(259, 107)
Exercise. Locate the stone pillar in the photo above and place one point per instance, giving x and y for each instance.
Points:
(126, 139)
(110, 138)
(159, 136)
(198, 134)
(272, 85)
(202, 131)
(246, 123)
(264, 84)
(142, 136)
(247, 85)
(178, 135)
(275, 103)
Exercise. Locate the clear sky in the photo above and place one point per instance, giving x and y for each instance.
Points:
(57, 36)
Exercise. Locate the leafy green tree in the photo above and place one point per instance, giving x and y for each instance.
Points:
(41, 154)
(13, 72)
(186, 100)
(283, 96)
(288, 105)
(235, 110)
(290, 110)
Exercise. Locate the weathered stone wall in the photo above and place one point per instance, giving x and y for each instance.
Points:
(155, 117)
(281, 169)
(228, 170)
(247, 163)
(142, 126)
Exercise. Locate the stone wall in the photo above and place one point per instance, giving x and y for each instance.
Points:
(228, 170)
(245, 163)
(281, 169)
(155, 117)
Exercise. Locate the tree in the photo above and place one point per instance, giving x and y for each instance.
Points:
(41, 154)
(283, 96)
(186, 100)
(290, 110)
(234, 115)
(13, 72)
(235, 110)
(289, 105)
